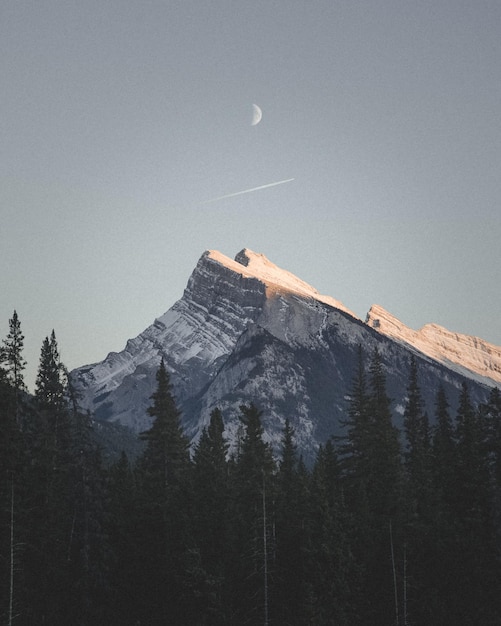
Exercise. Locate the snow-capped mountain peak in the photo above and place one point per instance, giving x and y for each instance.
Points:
(246, 330)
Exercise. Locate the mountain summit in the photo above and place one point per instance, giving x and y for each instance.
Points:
(276, 280)
(246, 331)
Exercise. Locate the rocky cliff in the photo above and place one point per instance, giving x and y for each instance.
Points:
(246, 330)
(471, 356)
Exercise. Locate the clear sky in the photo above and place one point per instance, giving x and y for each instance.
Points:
(120, 119)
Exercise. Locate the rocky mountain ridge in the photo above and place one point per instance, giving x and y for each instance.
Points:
(472, 356)
(246, 330)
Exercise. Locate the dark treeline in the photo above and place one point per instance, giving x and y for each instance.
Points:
(386, 528)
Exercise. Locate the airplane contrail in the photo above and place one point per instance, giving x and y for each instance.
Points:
(239, 193)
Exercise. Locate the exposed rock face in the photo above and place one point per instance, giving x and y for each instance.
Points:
(469, 355)
(244, 331)
(194, 337)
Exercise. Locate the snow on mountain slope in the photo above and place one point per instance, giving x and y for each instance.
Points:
(222, 300)
(277, 280)
(192, 336)
(462, 353)
(246, 330)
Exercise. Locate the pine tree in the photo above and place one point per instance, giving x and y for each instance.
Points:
(471, 462)
(14, 363)
(11, 478)
(290, 590)
(492, 425)
(13, 462)
(252, 480)
(122, 531)
(382, 506)
(163, 508)
(477, 572)
(443, 445)
(432, 538)
(420, 531)
(211, 451)
(288, 462)
(53, 430)
(88, 549)
(211, 520)
(11, 386)
(356, 445)
(166, 451)
(332, 571)
(50, 382)
(51, 490)
(384, 464)
(357, 441)
(416, 427)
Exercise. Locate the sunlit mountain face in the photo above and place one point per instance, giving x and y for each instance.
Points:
(247, 331)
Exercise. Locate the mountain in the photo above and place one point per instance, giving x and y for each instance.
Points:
(473, 357)
(246, 330)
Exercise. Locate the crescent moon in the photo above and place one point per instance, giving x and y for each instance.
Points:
(257, 114)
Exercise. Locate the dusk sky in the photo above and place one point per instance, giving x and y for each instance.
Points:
(120, 120)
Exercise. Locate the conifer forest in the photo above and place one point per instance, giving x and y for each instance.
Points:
(388, 527)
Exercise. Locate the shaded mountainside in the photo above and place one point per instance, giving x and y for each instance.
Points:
(246, 330)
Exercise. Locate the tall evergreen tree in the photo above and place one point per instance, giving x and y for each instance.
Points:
(477, 571)
(356, 462)
(416, 427)
(163, 512)
(252, 488)
(50, 382)
(13, 361)
(384, 504)
(211, 451)
(332, 571)
(11, 385)
(53, 428)
(290, 568)
(11, 479)
(356, 446)
(471, 460)
(443, 447)
(52, 500)
(385, 446)
(419, 532)
(88, 547)
(211, 521)
(370, 449)
(492, 425)
(167, 447)
(122, 531)
(436, 587)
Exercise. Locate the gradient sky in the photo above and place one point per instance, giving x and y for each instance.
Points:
(120, 119)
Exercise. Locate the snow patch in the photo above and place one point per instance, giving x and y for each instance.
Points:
(463, 353)
(255, 265)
